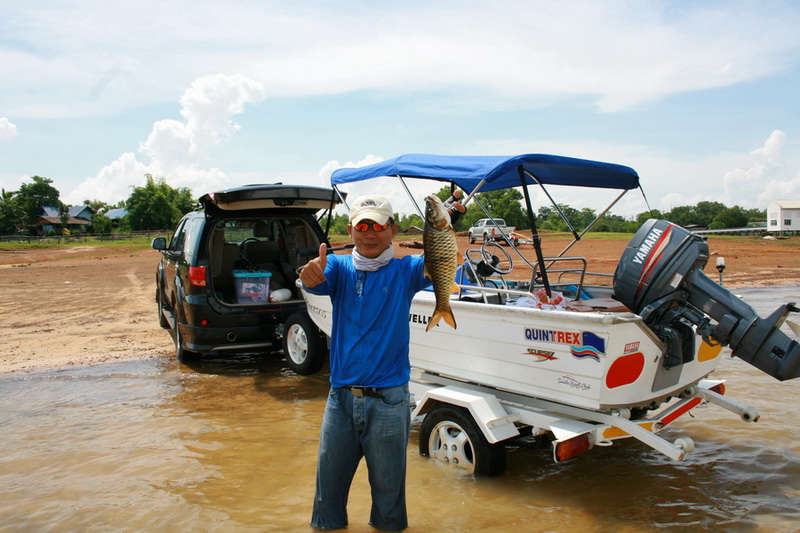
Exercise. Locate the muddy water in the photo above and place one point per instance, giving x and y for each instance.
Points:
(230, 445)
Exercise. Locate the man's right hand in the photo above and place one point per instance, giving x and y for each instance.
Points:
(313, 273)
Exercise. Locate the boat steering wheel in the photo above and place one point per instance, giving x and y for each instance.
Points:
(247, 240)
(501, 262)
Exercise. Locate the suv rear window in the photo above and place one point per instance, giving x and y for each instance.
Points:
(276, 245)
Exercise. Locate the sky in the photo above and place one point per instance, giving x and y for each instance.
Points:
(699, 97)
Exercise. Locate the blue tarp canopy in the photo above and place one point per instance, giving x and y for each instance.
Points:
(500, 172)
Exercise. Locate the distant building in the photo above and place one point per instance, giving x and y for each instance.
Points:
(80, 218)
(783, 215)
(115, 214)
(76, 211)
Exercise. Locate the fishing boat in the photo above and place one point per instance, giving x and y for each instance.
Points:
(568, 357)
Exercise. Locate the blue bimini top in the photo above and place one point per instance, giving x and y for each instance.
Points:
(497, 172)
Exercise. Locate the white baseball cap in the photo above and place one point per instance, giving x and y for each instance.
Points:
(375, 208)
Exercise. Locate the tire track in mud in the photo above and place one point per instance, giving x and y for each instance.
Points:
(79, 310)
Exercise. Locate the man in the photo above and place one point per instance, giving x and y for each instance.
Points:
(454, 206)
(367, 413)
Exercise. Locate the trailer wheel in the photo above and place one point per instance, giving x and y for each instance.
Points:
(304, 345)
(449, 434)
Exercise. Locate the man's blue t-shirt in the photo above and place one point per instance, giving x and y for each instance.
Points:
(370, 336)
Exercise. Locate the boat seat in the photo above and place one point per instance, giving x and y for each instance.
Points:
(607, 304)
(299, 237)
(491, 298)
(265, 255)
(223, 258)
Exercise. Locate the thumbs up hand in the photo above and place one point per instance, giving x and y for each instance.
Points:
(313, 272)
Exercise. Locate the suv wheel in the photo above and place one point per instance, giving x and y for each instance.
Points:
(182, 354)
(162, 320)
(304, 345)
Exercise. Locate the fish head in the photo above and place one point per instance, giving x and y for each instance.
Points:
(436, 213)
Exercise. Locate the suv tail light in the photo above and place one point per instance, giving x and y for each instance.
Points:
(197, 276)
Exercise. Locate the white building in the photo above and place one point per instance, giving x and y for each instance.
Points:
(783, 215)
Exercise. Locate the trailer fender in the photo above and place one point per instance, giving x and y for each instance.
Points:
(490, 416)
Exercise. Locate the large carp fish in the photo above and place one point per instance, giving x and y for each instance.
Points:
(441, 258)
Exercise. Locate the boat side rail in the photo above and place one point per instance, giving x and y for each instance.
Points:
(485, 291)
(497, 295)
(477, 271)
(562, 276)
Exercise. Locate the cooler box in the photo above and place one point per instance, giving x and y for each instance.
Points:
(252, 287)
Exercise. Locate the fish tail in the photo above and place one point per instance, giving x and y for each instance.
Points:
(439, 314)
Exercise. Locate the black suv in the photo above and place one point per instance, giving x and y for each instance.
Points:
(226, 280)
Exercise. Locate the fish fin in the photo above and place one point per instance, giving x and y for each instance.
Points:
(425, 272)
(450, 319)
(438, 315)
(455, 288)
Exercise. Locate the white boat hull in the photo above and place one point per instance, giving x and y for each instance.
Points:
(593, 360)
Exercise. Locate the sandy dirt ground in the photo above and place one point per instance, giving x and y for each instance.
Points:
(84, 305)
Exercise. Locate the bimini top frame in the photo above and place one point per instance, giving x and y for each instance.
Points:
(491, 173)
(496, 172)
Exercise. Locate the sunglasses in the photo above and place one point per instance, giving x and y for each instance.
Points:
(363, 226)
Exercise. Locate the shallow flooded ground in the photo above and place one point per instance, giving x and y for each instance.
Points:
(230, 445)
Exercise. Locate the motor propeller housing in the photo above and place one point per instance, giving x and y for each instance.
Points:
(660, 276)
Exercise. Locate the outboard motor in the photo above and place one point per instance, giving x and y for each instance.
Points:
(660, 277)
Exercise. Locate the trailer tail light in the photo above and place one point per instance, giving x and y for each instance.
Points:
(573, 447)
(719, 388)
(197, 276)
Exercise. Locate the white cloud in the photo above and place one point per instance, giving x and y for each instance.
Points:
(328, 169)
(112, 183)
(620, 55)
(748, 179)
(768, 176)
(178, 150)
(387, 186)
(7, 129)
(668, 180)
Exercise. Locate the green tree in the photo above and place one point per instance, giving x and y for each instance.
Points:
(31, 197)
(503, 204)
(616, 224)
(96, 205)
(644, 216)
(11, 214)
(756, 215)
(101, 223)
(338, 225)
(156, 205)
(404, 222)
(550, 219)
(706, 212)
(729, 217)
(683, 215)
(63, 217)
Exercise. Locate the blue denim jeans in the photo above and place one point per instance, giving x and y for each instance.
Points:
(376, 429)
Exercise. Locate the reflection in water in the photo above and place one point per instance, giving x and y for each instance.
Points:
(230, 445)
